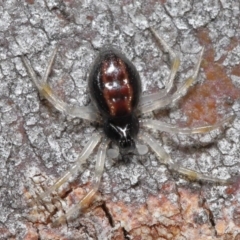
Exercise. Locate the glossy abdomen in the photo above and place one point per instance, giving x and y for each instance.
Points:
(114, 84)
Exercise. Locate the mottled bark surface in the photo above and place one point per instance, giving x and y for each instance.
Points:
(141, 199)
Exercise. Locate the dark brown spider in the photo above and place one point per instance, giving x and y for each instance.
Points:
(115, 89)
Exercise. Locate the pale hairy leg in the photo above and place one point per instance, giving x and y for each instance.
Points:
(84, 203)
(151, 102)
(165, 158)
(47, 92)
(78, 166)
(165, 127)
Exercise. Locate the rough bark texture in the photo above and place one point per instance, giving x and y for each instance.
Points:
(141, 199)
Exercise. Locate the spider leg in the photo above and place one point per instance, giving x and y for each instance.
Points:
(154, 101)
(47, 92)
(77, 167)
(84, 203)
(165, 127)
(174, 68)
(175, 60)
(165, 158)
(189, 81)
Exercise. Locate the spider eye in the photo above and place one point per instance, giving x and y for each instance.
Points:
(126, 143)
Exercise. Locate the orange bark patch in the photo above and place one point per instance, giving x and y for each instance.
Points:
(234, 42)
(201, 103)
(30, 1)
(236, 70)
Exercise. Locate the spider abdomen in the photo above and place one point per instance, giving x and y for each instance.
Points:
(114, 84)
(115, 89)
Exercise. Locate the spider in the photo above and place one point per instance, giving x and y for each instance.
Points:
(115, 90)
